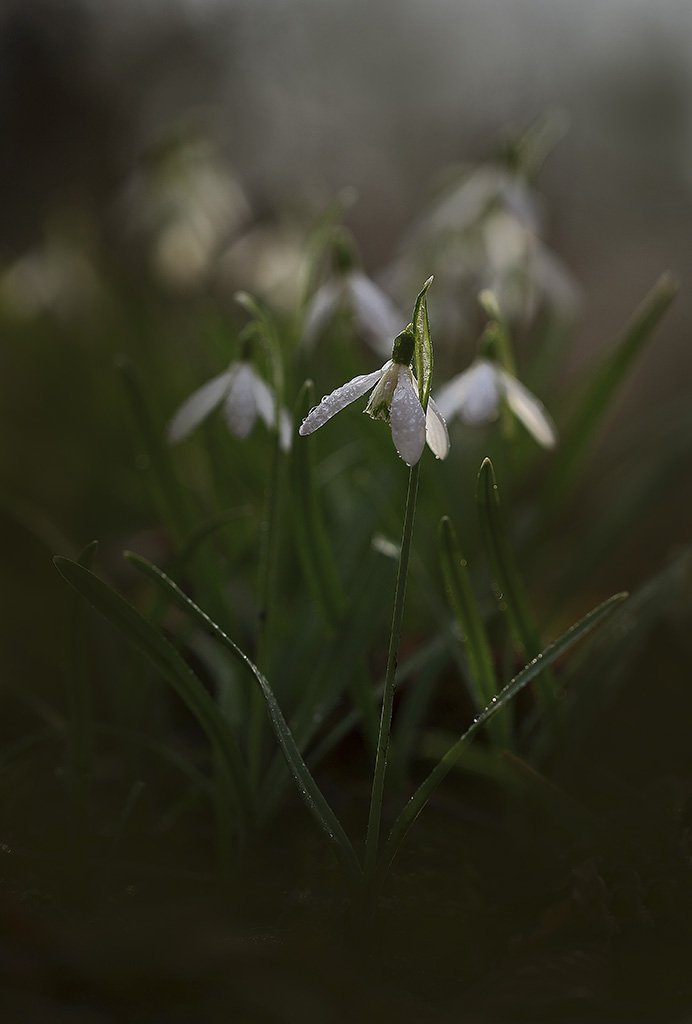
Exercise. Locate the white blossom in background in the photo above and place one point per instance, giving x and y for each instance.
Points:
(394, 399)
(57, 278)
(475, 395)
(244, 396)
(375, 317)
(182, 206)
(485, 230)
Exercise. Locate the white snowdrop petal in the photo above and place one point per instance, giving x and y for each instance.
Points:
(436, 431)
(460, 207)
(339, 399)
(240, 407)
(527, 408)
(374, 312)
(320, 310)
(285, 430)
(264, 399)
(482, 402)
(407, 419)
(266, 407)
(451, 395)
(473, 395)
(555, 281)
(198, 406)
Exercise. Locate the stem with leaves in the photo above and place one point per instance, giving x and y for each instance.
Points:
(375, 816)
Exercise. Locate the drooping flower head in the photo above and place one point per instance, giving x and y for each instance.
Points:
(394, 399)
(476, 394)
(348, 289)
(244, 395)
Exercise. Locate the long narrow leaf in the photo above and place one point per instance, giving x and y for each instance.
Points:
(325, 685)
(142, 635)
(463, 601)
(309, 529)
(506, 572)
(309, 790)
(80, 733)
(423, 352)
(269, 336)
(527, 674)
(606, 380)
(407, 670)
(168, 494)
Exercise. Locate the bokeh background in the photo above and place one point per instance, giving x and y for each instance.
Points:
(158, 155)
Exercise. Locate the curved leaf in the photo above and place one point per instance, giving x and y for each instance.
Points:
(445, 765)
(309, 529)
(142, 635)
(506, 572)
(309, 790)
(423, 352)
(463, 601)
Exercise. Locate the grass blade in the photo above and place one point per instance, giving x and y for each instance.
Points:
(506, 572)
(463, 601)
(168, 494)
(407, 670)
(423, 352)
(527, 674)
(309, 790)
(80, 738)
(324, 688)
(309, 529)
(604, 383)
(143, 636)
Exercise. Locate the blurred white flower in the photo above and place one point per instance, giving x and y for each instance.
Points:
(56, 278)
(485, 231)
(181, 206)
(244, 395)
(375, 318)
(475, 396)
(266, 261)
(394, 399)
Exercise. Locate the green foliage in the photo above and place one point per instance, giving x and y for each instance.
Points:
(306, 784)
(308, 561)
(423, 351)
(603, 383)
(547, 657)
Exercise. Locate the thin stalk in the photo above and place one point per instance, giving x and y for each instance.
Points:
(267, 577)
(375, 817)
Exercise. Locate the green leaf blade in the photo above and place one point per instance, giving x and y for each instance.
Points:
(145, 638)
(463, 602)
(423, 351)
(551, 653)
(506, 572)
(308, 522)
(308, 788)
(606, 381)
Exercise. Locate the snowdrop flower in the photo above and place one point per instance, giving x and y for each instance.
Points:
(475, 396)
(374, 315)
(244, 395)
(395, 400)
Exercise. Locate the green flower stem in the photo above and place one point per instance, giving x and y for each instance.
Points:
(267, 576)
(375, 816)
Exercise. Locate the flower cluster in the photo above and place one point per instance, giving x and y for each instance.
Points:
(474, 396)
